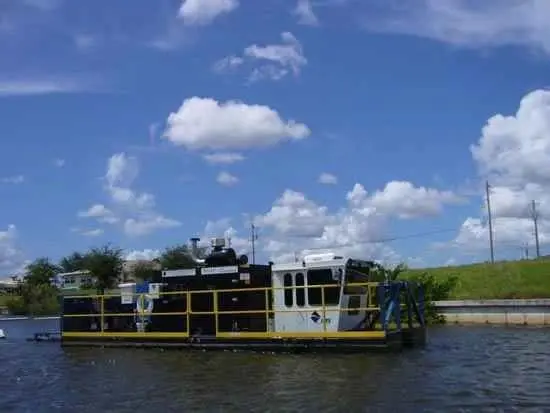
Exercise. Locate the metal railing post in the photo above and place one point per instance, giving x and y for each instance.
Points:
(215, 298)
(102, 312)
(266, 310)
(188, 310)
(324, 310)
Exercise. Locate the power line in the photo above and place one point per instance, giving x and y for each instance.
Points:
(385, 240)
(490, 219)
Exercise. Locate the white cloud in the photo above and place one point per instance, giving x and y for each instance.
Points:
(139, 255)
(304, 12)
(148, 223)
(24, 87)
(16, 179)
(93, 232)
(223, 228)
(513, 152)
(121, 170)
(101, 212)
(471, 23)
(298, 224)
(136, 210)
(273, 61)
(327, 179)
(11, 257)
(223, 158)
(228, 63)
(206, 123)
(294, 215)
(406, 201)
(225, 178)
(204, 12)
(281, 58)
(60, 163)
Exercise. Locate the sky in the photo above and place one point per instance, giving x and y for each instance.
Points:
(363, 127)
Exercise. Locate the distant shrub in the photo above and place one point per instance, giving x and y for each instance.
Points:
(35, 300)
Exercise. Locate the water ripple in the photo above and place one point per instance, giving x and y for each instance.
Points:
(463, 369)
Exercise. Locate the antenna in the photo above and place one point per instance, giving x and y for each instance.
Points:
(253, 238)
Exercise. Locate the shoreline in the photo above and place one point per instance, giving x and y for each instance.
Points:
(527, 312)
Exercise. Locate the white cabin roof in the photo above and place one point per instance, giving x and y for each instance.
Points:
(312, 261)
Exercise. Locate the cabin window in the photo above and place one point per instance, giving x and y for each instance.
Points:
(318, 278)
(354, 304)
(300, 290)
(354, 278)
(287, 282)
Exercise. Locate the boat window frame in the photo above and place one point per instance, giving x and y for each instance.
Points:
(330, 300)
(301, 299)
(288, 290)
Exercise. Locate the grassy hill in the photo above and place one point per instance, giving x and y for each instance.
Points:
(502, 280)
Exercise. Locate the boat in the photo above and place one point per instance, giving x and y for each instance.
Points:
(323, 302)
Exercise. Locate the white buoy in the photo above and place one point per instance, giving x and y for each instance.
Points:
(2, 334)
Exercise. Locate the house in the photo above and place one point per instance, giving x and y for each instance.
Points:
(74, 280)
(84, 279)
(9, 285)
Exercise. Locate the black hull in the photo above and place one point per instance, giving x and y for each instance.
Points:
(393, 341)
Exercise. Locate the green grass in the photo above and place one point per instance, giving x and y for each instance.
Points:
(3, 299)
(502, 280)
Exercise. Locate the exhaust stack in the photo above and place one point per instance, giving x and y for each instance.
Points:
(194, 251)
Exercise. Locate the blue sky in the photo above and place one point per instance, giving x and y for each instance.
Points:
(330, 124)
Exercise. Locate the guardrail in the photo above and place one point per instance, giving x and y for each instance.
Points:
(220, 306)
(534, 312)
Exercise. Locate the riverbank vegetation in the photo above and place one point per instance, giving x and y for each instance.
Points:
(37, 295)
(504, 280)
(524, 279)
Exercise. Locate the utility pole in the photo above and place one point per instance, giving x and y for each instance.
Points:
(253, 237)
(535, 216)
(490, 219)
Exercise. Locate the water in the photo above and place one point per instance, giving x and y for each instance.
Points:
(462, 369)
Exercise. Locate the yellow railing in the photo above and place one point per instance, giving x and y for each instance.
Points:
(369, 290)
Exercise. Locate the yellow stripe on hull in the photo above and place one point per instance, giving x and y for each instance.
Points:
(236, 335)
(306, 335)
(124, 335)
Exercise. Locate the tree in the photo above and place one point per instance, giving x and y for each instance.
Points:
(73, 262)
(37, 295)
(41, 271)
(105, 264)
(177, 257)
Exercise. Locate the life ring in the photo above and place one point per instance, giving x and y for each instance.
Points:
(148, 301)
